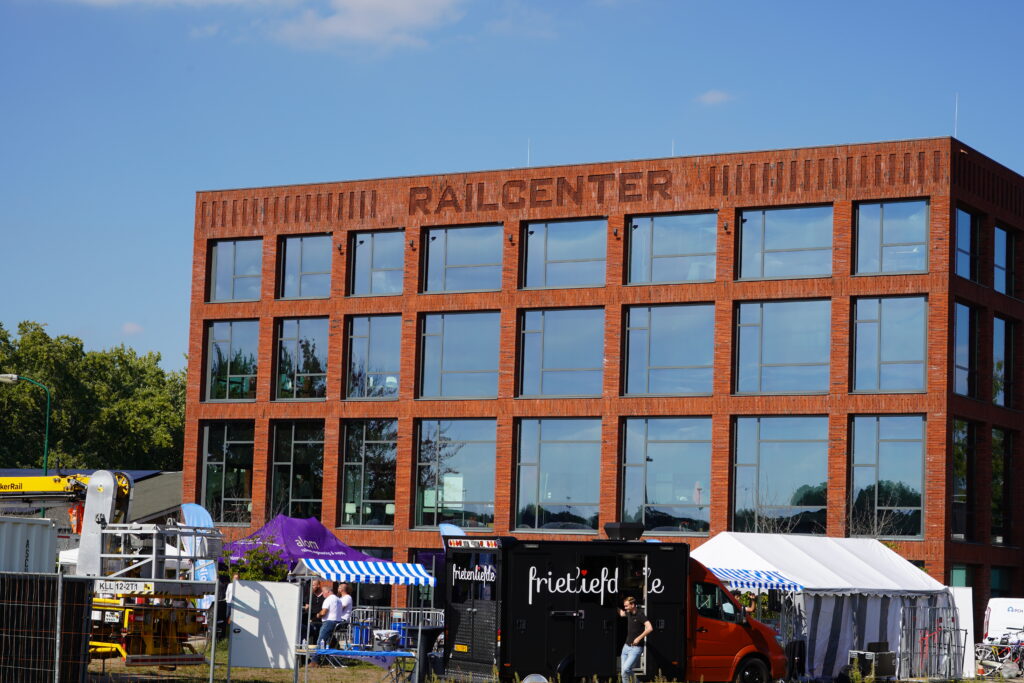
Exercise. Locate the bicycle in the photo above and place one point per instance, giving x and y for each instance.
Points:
(1001, 656)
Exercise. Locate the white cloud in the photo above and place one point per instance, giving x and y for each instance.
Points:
(381, 22)
(713, 97)
(322, 23)
(182, 3)
(131, 328)
(522, 21)
(207, 31)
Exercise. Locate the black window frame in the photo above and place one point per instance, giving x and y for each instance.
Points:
(524, 347)
(744, 217)
(641, 464)
(350, 461)
(276, 461)
(295, 375)
(881, 514)
(738, 350)
(882, 244)
(432, 234)
(970, 370)
(880, 323)
(367, 341)
(526, 239)
(252, 378)
(781, 526)
(287, 242)
(971, 252)
(634, 224)
(213, 264)
(441, 372)
(420, 509)
(629, 326)
(353, 250)
(223, 519)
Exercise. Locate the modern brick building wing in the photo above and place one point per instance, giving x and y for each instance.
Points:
(814, 340)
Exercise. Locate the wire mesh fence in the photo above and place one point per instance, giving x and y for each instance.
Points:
(45, 621)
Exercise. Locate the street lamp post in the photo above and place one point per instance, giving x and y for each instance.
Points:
(13, 379)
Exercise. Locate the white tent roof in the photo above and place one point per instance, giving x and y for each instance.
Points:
(814, 564)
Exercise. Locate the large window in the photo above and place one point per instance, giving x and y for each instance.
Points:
(235, 267)
(672, 248)
(232, 360)
(658, 361)
(455, 473)
(783, 347)
(1000, 582)
(962, 480)
(965, 344)
(463, 259)
(302, 358)
(892, 237)
(781, 479)
(297, 479)
(559, 467)
(1002, 262)
(368, 480)
(377, 260)
(966, 245)
(1002, 472)
(890, 344)
(888, 475)
(227, 489)
(562, 352)
(460, 355)
(306, 267)
(1002, 361)
(666, 474)
(565, 254)
(778, 243)
(374, 351)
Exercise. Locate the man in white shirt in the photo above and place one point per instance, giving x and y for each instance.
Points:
(346, 601)
(331, 613)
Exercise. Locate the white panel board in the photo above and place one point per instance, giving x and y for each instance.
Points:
(264, 621)
(963, 600)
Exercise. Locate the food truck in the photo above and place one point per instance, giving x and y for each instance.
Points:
(517, 607)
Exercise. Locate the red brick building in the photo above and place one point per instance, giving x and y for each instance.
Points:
(810, 340)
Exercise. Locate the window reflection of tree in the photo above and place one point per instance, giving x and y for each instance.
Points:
(438, 459)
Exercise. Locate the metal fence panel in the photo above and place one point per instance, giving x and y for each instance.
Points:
(44, 627)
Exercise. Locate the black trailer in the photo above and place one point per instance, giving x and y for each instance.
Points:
(520, 607)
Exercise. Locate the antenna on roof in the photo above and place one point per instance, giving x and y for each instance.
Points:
(527, 151)
(956, 113)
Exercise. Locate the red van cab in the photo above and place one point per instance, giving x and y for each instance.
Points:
(725, 643)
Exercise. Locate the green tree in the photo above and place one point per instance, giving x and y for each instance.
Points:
(110, 409)
(259, 563)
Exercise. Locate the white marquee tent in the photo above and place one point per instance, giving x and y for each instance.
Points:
(842, 593)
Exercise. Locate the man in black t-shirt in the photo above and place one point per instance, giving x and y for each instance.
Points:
(638, 627)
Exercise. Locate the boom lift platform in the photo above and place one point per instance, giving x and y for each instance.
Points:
(144, 606)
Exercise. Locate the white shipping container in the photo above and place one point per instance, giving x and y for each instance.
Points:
(28, 544)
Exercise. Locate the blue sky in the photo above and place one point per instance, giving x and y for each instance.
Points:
(116, 111)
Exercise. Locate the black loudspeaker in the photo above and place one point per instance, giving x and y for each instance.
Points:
(624, 531)
(775, 600)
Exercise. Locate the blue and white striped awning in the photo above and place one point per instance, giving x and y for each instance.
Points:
(755, 578)
(396, 573)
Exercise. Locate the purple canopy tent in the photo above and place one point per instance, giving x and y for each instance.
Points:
(310, 547)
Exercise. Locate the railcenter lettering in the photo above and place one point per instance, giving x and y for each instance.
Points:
(632, 186)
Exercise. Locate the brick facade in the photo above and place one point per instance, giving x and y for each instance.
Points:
(943, 171)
